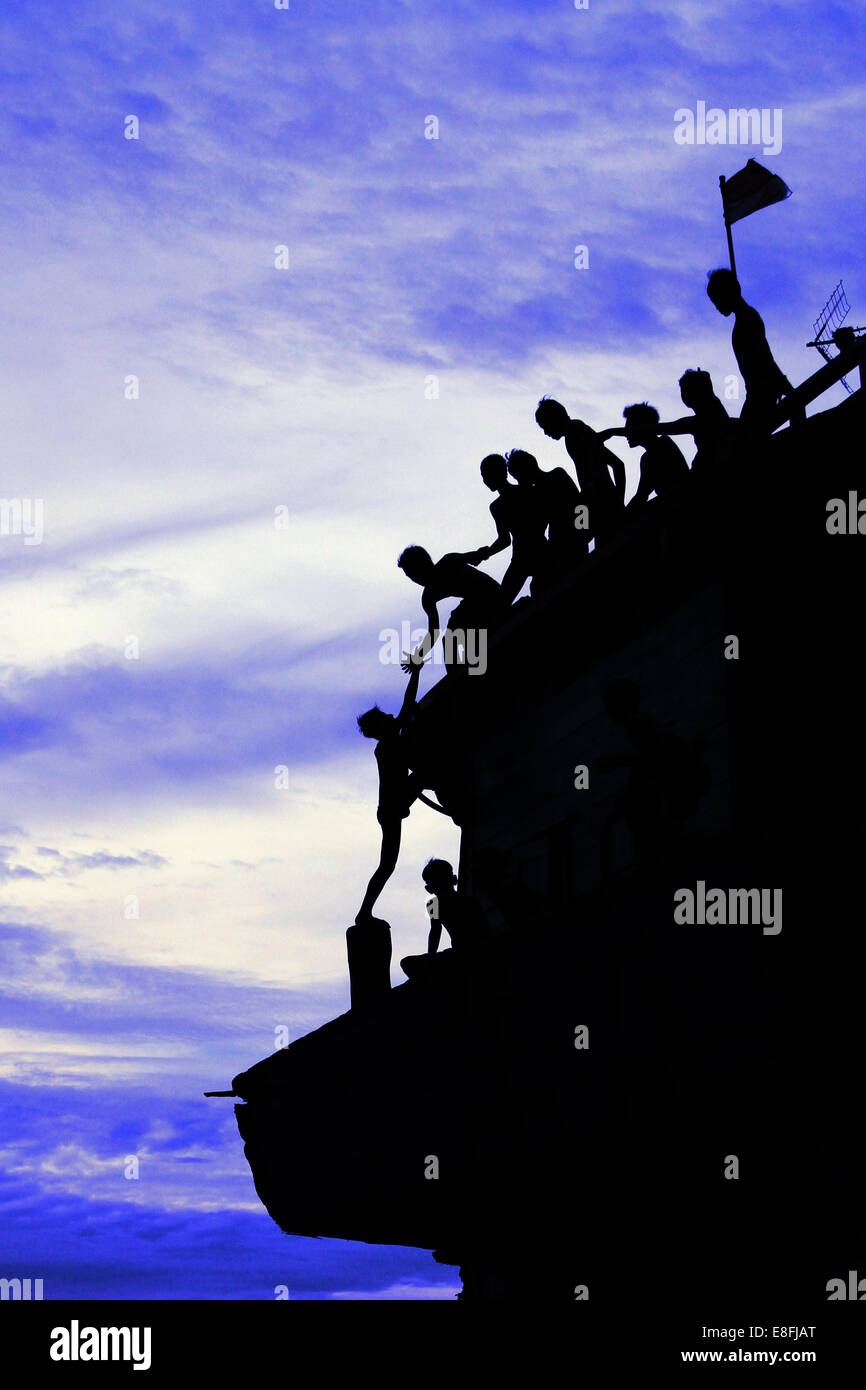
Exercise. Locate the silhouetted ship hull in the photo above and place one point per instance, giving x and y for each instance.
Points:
(607, 1167)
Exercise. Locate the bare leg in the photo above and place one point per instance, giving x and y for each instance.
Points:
(391, 835)
(414, 787)
(514, 579)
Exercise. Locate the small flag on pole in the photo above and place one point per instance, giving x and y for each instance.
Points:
(750, 190)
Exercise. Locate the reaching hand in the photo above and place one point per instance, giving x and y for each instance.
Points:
(412, 660)
(474, 557)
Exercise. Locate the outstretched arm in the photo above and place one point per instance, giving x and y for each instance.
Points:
(474, 557)
(618, 432)
(469, 557)
(684, 426)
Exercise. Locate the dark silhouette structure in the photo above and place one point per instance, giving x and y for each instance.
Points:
(667, 777)
(498, 882)
(600, 472)
(764, 379)
(520, 523)
(601, 1106)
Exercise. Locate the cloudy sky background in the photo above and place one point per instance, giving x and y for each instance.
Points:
(151, 778)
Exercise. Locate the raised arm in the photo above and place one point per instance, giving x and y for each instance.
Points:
(407, 709)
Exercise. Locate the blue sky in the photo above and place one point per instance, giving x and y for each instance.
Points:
(148, 779)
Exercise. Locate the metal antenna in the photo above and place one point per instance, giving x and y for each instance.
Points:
(828, 329)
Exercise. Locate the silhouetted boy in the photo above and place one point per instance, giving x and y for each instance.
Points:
(459, 914)
(557, 499)
(709, 425)
(662, 467)
(519, 523)
(398, 787)
(764, 379)
(483, 605)
(600, 473)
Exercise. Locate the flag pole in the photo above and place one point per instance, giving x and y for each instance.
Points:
(727, 226)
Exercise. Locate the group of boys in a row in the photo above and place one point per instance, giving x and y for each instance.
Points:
(548, 520)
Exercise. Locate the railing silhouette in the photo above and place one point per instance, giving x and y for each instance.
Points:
(815, 385)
